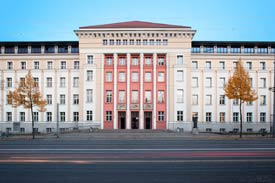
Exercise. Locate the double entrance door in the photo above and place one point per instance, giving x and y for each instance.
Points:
(135, 120)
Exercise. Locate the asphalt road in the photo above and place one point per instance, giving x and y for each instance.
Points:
(137, 161)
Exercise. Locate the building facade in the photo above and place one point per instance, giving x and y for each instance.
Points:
(136, 75)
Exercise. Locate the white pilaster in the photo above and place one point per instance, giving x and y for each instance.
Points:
(167, 91)
(102, 91)
(128, 113)
(141, 124)
(115, 91)
(154, 90)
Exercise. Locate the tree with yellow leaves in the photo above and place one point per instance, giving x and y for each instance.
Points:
(239, 88)
(27, 94)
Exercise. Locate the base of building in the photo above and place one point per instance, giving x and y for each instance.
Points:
(195, 131)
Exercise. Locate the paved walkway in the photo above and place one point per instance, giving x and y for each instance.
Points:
(134, 135)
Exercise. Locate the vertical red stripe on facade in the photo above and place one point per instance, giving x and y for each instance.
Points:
(161, 91)
(108, 87)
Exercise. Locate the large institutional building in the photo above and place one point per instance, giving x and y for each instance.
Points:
(136, 75)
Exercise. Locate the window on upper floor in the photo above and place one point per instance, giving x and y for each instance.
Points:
(249, 65)
(262, 100)
(262, 83)
(148, 77)
(134, 96)
(9, 65)
(221, 82)
(208, 82)
(121, 76)
(249, 50)
(89, 75)
(194, 82)
(76, 82)
(109, 96)
(36, 49)
(196, 49)
(262, 50)
(180, 75)
(76, 64)
(208, 99)
(208, 49)
(148, 96)
(180, 59)
(50, 65)
(90, 59)
(49, 49)
(62, 99)
(208, 65)
(161, 77)
(63, 65)
(194, 64)
(121, 96)
(62, 49)
(134, 76)
(222, 49)
(221, 65)
(262, 66)
(195, 99)
(9, 50)
(235, 50)
(36, 65)
(23, 65)
(89, 95)
(109, 77)
(180, 95)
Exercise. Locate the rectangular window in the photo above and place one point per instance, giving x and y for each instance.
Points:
(49, 99)
(62, 82)
(158, 42)
(148, 77)
(121, 61)
(195, 99)
(108, 96)
(23, 65)
(221, 65)
(262, 66)
(235, 101)
(235, 50)
(180, 75)
(76, 116)
(160, 76)
(50, 65)
(9, 116)
(62, 116)
(249, 117)
(111, 42)
(222, 82)
(62, 49)
(262, 100)
(49, 82)
(262, 117)
(251, 82)
(121, 77)
(9, 65)
(194, 82)
(76, 65)
(208, 49)
(76, 82)
(121, 96)
(151, 42)
(36, 65)
(109, 61)
(89, 115)
(132, 42)
(144, 41)
(89, 75)
(208, 116)
(9, 99)
(179, 115)
(208, 82)
(63, 65)
(118, 42)
(235, 117)
(108, 115)
(89, 97)
(49, 116)
(49, 49)
(36, 81)
(262, 83)
(90, 59)
(105, 42)
(165, 42)
(22, 116)
(222, 117)
(148, 97)
(9, 82)
(248, 65)
(138, 42)
(135, 61)
(109, 77)
(62, 99)
(125, 42)
(76, 99)
(160, 96)
(134, 76)
(180, 95)
(208, 99)
(35, 116)
(208, 65)
(222, 99)
(148, 61)
(222, 50)
(161, 116)
(194, 64)
(196, 50)
(180, 59)
(249, 50)
(134, 96)
(161, 61)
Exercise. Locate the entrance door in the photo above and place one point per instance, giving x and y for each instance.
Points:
(121, 120)
(134, 120)
(148, 120)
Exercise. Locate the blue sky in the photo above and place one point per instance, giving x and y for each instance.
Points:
(214, 20)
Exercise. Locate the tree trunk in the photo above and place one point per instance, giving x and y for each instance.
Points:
(241, 119)
(33, 137)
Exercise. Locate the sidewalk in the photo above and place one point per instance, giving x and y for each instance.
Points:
(135, 135)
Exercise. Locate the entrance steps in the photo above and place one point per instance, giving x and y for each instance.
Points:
(132, 131)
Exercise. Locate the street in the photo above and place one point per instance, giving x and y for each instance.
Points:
(140, 160)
